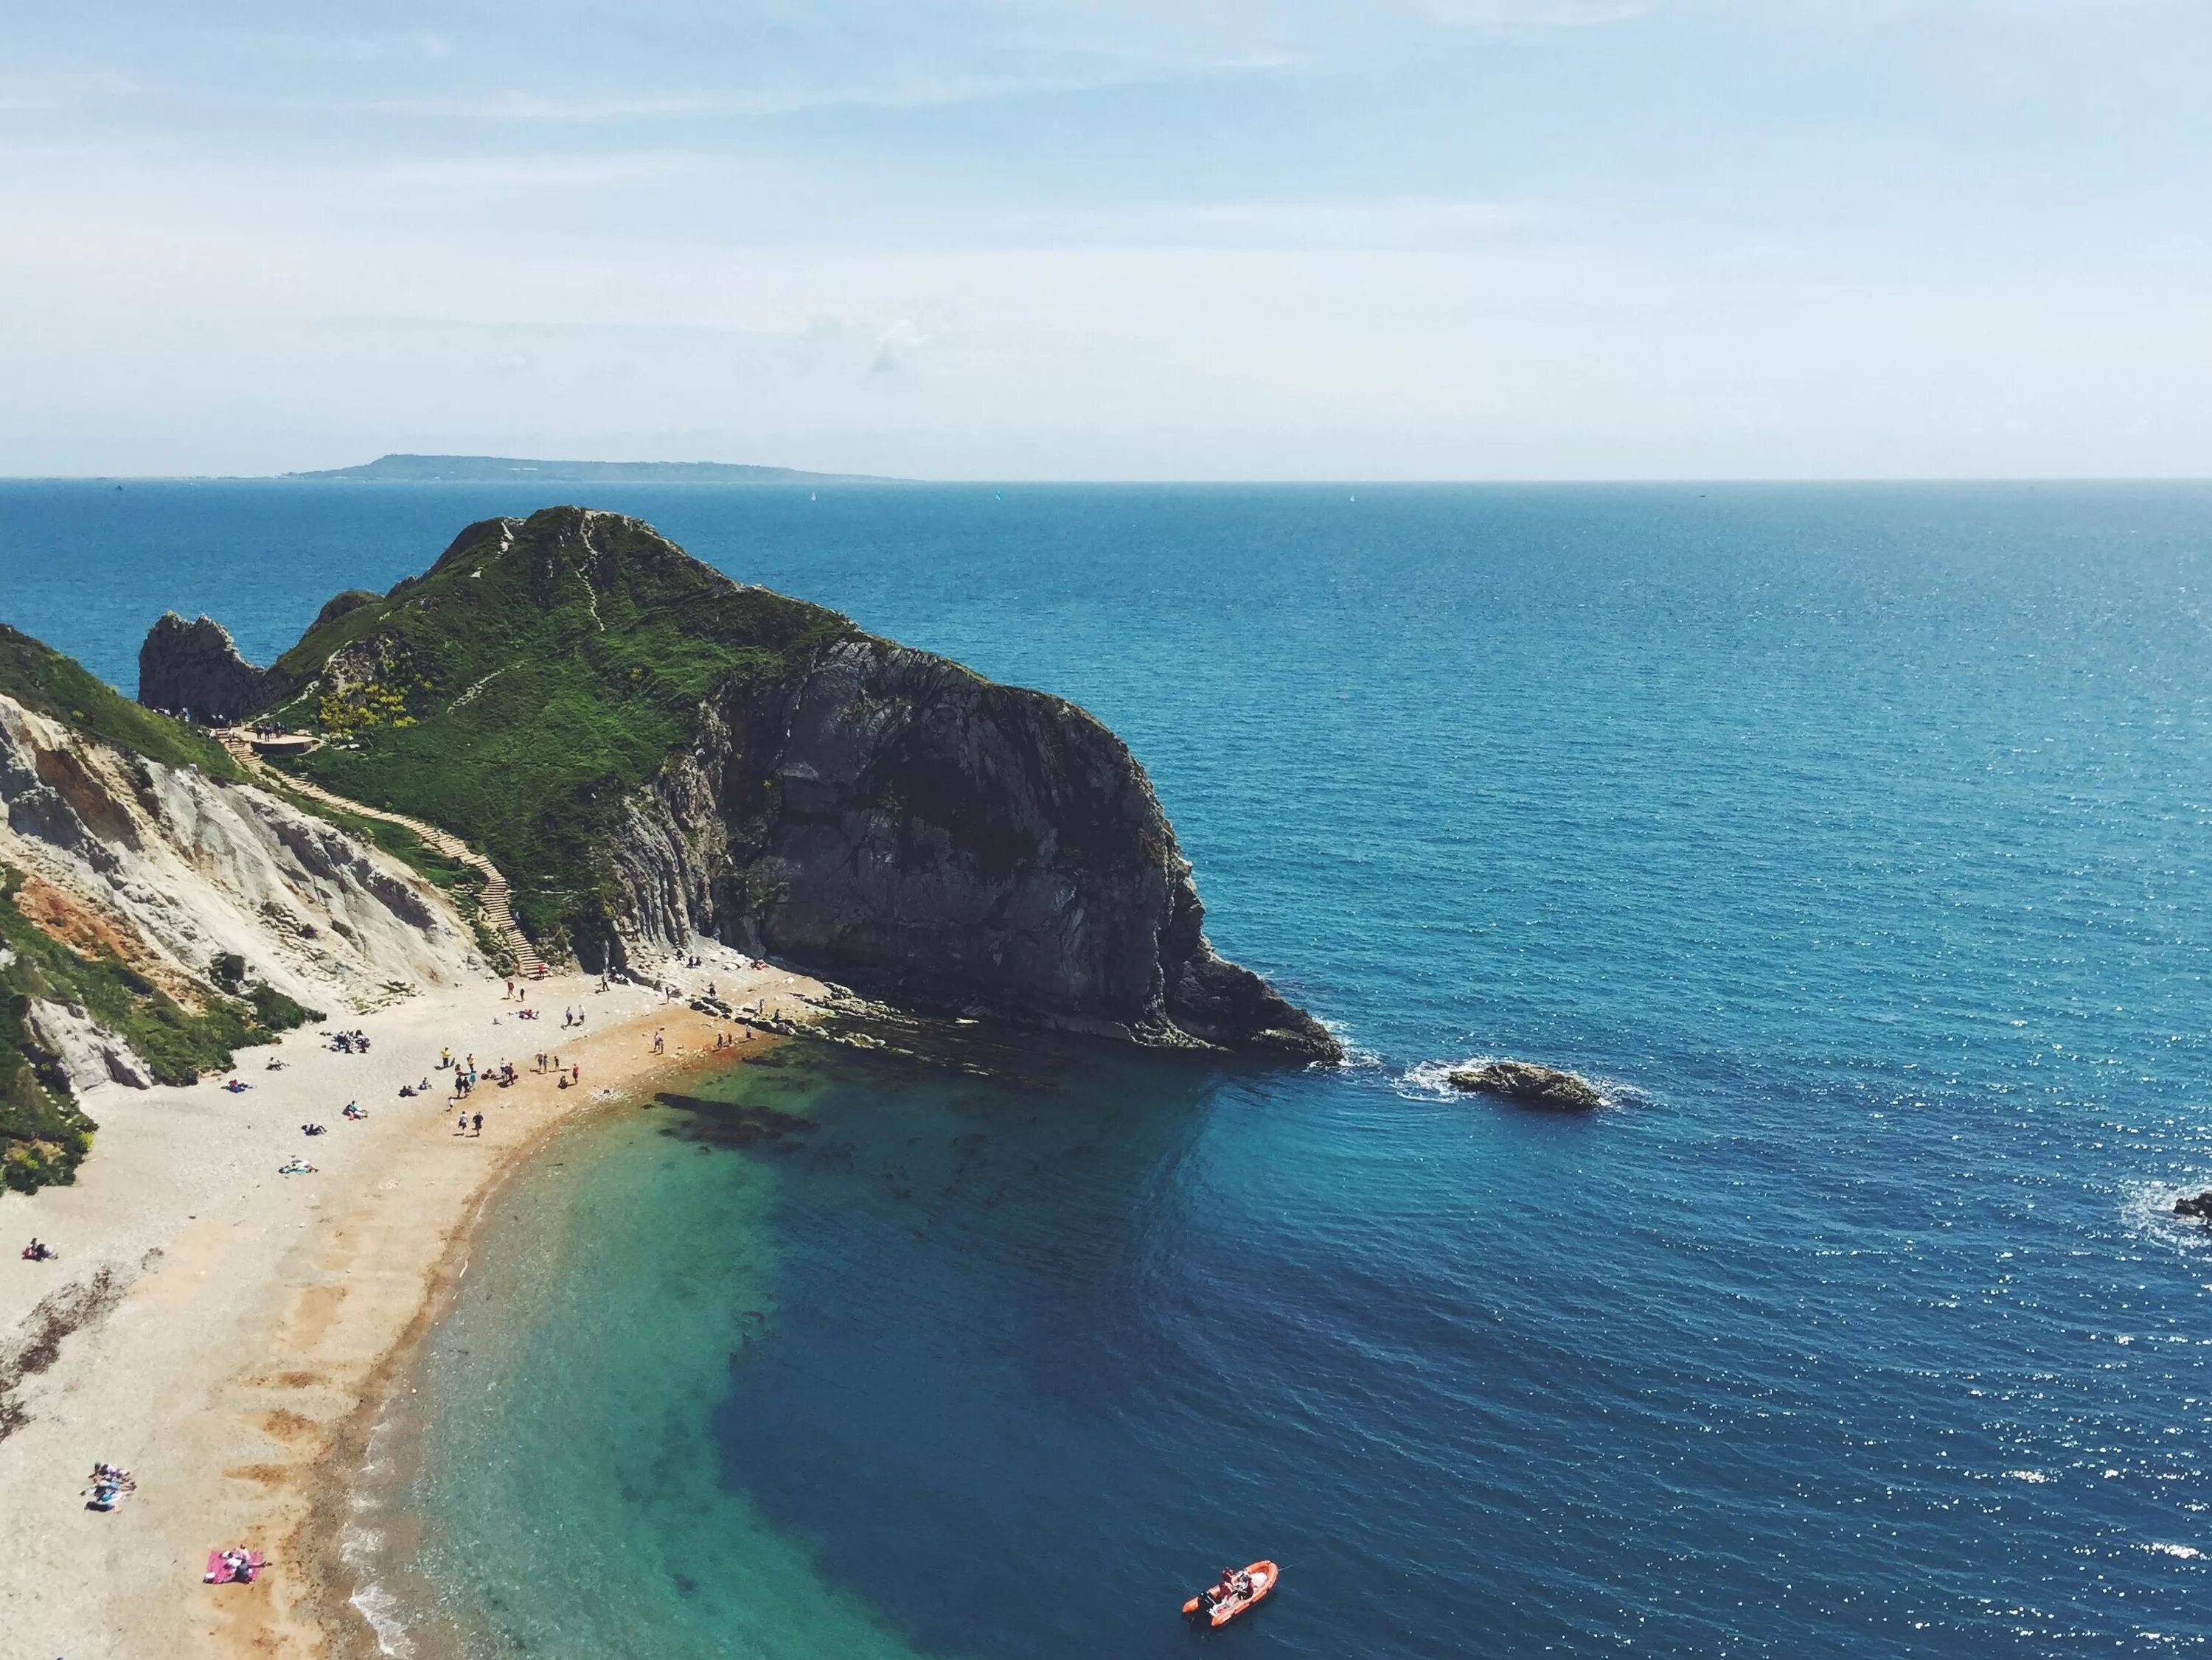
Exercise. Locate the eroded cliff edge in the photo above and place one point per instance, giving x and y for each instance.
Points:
(650, 750)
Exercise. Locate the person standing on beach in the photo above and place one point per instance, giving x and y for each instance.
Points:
(657, 1046)
(479, 1128)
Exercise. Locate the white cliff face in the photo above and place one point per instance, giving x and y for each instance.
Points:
(89, 1054)
(173, 869)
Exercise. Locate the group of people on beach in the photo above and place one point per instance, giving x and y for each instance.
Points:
(108, 1487)
(350, 1043)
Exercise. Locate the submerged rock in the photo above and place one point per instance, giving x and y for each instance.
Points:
(1529, 1084)
(2201, 1206)
(195, 668)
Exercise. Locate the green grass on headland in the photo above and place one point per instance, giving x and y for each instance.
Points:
(535, 675)
(42, 678)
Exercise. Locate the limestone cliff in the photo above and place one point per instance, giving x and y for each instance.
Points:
(890, 819)
(194, 670)
(170, 870)
(157, 912)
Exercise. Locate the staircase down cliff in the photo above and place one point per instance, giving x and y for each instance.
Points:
(650, 750)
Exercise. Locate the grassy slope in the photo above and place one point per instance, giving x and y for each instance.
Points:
(43, 1132)
(40, 678)
(542, 679)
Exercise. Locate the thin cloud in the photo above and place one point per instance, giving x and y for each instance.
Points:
(1532, 14)
(912, 92)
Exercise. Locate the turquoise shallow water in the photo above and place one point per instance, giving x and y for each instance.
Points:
(1857, 835)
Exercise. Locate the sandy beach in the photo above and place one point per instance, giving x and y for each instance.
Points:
(221, 1330)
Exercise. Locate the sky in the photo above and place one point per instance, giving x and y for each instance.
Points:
(1140, 239)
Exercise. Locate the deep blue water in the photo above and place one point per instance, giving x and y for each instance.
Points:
(1854, 834)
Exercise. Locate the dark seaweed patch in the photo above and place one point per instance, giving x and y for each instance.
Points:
(731, 1123)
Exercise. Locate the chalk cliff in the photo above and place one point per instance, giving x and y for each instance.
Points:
(157, 912)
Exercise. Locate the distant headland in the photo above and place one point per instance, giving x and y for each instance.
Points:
(503, 470)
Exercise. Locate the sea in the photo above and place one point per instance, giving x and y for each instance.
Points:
(1856, 838)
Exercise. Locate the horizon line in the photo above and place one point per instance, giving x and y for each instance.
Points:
(808, 479)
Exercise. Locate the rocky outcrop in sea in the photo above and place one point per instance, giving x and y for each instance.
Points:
(194, 670)
(1529, 1084)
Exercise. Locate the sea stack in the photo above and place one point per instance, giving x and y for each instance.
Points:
(195, 668)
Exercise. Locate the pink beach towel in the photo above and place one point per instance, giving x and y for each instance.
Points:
(220, 1572)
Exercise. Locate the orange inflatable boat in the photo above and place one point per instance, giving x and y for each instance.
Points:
(1217, 1605)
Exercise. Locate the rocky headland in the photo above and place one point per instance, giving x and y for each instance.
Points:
(1529, 1085)
(652, 751)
